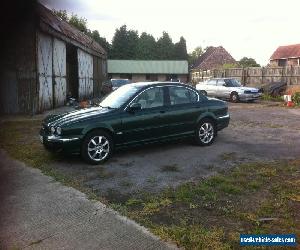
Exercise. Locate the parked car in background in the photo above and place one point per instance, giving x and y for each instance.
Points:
(137, 113)
(117, 83)
(113, 84)
(229, 89)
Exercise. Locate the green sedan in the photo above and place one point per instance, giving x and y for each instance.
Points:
(137, 113)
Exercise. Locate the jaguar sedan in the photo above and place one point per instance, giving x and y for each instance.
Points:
(137, 113)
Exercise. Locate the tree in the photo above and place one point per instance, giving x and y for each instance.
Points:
(101, 40)
(81, 24)
(146, 47)
(180, 50)
(248, 62)
(165, 47)
(124, 44)
(196, 53)
(62, 14)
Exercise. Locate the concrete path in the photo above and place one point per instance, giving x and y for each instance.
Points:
(38, 213)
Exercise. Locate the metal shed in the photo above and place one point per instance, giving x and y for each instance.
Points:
(45, 60)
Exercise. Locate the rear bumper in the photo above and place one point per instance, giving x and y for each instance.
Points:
(223, 122)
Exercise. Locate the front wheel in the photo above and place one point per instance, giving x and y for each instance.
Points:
(205, 133)
(203, 92)
(97, 147)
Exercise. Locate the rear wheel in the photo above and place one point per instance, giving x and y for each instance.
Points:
(97, 147)
(205, 132)
(234, 97)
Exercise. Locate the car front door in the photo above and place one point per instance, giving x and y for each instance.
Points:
(222, 90)
(145, 124)
(211, 87)
(183, 110)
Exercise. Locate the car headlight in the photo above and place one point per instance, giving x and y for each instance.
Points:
(58, 130)
(52, 129)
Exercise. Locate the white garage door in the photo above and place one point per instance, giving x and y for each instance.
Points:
(85, 74)
(45, 71)
(59, 70)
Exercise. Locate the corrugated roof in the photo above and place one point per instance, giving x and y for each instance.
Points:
(46, 16)
(288, 51)
(147, 67)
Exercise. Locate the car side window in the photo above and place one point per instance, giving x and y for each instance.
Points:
(182, 95)
(211, 82)
(220, 82)
(151, 98)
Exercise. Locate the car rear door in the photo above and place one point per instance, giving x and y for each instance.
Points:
(145, 124)
(183, 110)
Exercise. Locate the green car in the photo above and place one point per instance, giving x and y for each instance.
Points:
(137, 113)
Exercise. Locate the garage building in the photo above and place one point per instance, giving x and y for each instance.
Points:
(44, 60)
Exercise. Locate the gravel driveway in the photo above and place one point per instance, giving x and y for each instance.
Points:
(257, 132)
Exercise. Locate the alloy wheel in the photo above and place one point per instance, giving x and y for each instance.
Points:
(206, 133)
(98, 148)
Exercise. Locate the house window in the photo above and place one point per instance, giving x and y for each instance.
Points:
(282, 62)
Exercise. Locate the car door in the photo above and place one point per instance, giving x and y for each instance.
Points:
(145, 124)
(211, 87)
(183, 110)
(222, 90)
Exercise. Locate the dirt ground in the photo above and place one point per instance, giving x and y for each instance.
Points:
(257, 132)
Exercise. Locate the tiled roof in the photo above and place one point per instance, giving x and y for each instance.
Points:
(51, 20)
(147, 67)
(284, 52)
(213, 57)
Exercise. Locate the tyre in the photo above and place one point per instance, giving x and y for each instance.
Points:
(234, 97)
(97, 147)
(203, 92)
(205, 132)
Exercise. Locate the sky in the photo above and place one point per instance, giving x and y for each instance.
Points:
(244, 28)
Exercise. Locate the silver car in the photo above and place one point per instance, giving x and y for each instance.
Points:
(228, 88)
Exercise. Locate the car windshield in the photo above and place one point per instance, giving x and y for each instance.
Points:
(119, 82)
(120, 96)
(232, 83)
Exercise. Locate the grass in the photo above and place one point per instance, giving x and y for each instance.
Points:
(268, 97)
(207, 214)
(211, 214)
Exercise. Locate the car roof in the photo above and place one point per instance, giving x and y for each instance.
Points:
(147, 84)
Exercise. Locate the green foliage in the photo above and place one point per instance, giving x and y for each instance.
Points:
(296, 98)
(81, 24)
(197, 52)
(248, 62)
(180, 51)
(230, 65)
(165, 47)
(146, 47)
(62, 14)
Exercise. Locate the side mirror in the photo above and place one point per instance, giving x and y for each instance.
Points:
(225, 85)
(133, 107)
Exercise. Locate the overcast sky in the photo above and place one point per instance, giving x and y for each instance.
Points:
(244, 28)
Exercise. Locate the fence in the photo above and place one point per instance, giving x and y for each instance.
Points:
(252, 76)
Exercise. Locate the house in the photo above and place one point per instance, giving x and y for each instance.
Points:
(148, 70)
(43, 60)
(213, 58)
(286, 56)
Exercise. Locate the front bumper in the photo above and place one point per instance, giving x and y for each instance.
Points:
(70, 144)
(249, 97)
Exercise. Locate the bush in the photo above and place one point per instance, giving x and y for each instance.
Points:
(296, 98)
